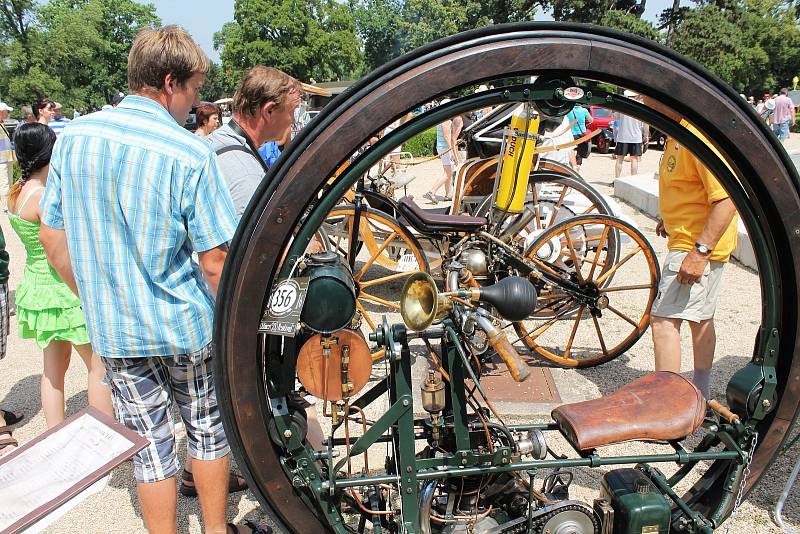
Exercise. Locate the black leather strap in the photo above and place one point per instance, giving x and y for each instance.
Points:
(253, 148)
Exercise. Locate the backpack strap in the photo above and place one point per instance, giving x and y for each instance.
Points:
(232, 148)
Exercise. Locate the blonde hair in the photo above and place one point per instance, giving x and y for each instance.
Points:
(261, 85)
(157, 52)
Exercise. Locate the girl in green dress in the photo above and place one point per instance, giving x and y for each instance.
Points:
(47, 309)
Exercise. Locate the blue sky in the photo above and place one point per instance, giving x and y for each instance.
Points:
(204, 17)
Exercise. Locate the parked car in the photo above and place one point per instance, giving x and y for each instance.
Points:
(601, 120)
(658, 138)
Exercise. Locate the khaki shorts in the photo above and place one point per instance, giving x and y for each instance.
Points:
(692, 302)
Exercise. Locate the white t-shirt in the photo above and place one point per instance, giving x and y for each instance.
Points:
(559, 136)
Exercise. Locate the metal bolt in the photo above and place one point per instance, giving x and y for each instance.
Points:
(766, 403)
(287, 433)
(408, 490)
(298, 482)
(408, 469)
(464, 461)
(279, 220)
(505, 460)
(405, 402)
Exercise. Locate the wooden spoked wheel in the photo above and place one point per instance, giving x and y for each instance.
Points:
(387, 253)
(610, 311)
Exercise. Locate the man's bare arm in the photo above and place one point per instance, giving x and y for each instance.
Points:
(55, 246)
(211, 263)
(719, 218)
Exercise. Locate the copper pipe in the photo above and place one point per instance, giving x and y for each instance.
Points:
(357, 497)
(436, 360)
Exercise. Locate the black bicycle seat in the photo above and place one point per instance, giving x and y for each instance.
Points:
(435, 223)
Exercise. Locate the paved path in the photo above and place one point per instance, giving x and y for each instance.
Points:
(115, 509)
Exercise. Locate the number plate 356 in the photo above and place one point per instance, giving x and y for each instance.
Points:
(282, 316)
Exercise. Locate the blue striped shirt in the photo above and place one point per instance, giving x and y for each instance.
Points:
(57, 125)
(136, 194)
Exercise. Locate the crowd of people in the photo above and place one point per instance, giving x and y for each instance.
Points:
(127, 276)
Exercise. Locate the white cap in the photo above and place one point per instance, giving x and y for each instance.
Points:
(770, 104)
(5, 107)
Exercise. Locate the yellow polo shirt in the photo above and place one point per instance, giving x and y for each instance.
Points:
(687, 190)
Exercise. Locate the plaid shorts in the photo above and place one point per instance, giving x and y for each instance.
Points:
(144, 390)
(3, 319)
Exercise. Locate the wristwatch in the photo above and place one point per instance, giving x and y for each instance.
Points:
(705, 250)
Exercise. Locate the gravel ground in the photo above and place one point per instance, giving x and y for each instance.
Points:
(115, 509)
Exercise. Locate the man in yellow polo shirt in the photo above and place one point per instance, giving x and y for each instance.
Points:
(700, 221)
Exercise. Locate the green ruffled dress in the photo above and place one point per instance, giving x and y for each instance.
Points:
(47, 309)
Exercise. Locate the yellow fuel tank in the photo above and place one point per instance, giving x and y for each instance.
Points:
(517, 161)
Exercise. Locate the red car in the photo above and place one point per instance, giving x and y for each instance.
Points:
(601, 120)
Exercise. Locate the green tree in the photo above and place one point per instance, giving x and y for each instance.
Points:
(214, 87)
(591, 10)
(379, 24)
(627, 22)
(309, 39)
(74, 51)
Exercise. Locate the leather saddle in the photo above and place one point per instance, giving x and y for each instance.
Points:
(662, 406)
(435, 223)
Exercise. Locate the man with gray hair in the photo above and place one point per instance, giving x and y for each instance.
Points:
(263, 110)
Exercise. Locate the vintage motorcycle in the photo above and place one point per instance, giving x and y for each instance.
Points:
(438, 459)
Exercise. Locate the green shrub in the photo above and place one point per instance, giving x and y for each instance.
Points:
(796, 126)
(16, 173)
(422, 145)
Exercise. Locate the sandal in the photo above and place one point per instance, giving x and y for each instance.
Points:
(254, 527)
(9, 443)
(12, 418)
(431, 197)
(236, 483)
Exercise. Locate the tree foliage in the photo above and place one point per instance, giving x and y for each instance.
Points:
(309, 39)
(73, 51)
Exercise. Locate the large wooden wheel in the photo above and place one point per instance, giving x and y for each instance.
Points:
(295, 199)
(612, 309)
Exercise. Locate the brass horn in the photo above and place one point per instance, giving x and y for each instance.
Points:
(421, 303)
